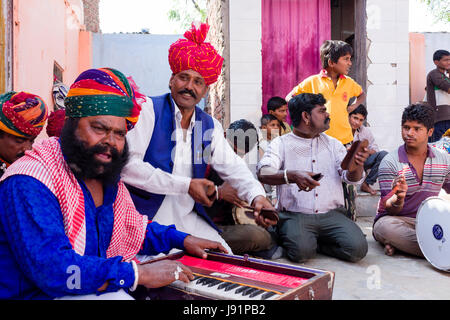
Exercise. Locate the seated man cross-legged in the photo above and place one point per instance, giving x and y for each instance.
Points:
(408, 176)
(312, 214)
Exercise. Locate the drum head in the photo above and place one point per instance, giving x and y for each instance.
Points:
(433, 231)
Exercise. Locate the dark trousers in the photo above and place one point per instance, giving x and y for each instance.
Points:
(331, 233)
(246, 238)
(373, 163)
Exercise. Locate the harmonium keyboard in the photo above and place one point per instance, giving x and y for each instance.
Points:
(229, 277)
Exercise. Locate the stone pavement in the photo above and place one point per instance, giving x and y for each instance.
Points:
(380, 277)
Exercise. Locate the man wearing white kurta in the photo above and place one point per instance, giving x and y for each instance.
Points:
(163, 164)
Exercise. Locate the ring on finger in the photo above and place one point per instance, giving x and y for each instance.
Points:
(176, 273)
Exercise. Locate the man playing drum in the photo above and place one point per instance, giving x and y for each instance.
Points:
(408, 176)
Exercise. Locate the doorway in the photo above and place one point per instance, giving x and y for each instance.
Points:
(348, 23)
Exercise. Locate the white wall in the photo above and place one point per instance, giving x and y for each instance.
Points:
(245, 60)
(388, 69)
(434, 41)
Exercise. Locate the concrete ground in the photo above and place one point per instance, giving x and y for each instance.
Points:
(380, 277)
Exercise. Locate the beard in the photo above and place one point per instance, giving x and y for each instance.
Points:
(81, 159)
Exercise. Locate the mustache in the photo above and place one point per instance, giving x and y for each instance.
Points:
(102, 148)
(190, 92)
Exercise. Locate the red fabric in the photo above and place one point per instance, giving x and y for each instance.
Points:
(292, 32)
(55, 123)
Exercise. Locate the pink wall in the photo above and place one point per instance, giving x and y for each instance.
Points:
(292, 32)
(45, 32)
(417, 71)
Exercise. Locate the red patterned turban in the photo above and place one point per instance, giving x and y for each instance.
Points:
(22, 114)
(55, 122)
(193, 53)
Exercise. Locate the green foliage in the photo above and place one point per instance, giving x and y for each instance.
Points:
(440, 9)
(184, 12)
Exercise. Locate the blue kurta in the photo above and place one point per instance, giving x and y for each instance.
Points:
(36, 258)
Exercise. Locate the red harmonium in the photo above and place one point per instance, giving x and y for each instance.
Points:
(229, 277)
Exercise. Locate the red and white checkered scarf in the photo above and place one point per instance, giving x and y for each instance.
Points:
(45, 162)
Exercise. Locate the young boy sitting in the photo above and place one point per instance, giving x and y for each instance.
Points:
(277, 107)
(270, 129)
(360, 132)
(336, 87)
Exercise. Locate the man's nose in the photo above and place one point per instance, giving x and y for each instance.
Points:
(110, 139)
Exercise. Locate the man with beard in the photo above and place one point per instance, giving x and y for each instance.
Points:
(68, 227)
(312, 214)
(22, 117)
(174, 141)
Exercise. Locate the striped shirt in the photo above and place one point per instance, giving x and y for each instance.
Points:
(436, 175)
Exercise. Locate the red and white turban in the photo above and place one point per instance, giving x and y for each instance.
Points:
(195, 54)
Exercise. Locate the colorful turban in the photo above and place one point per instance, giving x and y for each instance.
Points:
(193, 53)
(55, 123)
(104, 91)
(23, 114)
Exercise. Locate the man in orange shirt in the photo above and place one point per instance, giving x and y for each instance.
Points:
(336, 87)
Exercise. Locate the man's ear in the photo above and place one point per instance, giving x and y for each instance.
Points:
(306, 117)
(430, 132)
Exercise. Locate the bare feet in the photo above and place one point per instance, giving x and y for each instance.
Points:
(389, 250)
(366, 188)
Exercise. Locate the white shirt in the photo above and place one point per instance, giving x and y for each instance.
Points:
(177, 207)
(364, 133)
(322, 154)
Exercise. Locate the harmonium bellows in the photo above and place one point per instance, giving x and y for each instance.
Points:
(229, 277)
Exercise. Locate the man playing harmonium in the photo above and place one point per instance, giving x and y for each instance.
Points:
(174, 141)
(68, 227)
(312, 214)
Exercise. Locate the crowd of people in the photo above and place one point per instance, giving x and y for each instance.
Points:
(124, 177)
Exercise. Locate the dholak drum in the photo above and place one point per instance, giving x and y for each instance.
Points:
(433, 231)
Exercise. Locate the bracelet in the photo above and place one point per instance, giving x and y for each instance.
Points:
(136, 276)
(217, 193)
(285, 176)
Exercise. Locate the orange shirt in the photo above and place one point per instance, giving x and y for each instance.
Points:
(337, 101)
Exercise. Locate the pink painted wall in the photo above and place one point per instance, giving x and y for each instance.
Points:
(417, 71)
(292, 32)
(45, 32)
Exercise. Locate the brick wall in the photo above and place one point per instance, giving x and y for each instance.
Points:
(91, 15)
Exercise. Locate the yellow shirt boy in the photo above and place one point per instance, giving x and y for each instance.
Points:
(337, 100)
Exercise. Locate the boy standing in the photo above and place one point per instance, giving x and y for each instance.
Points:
(278, 107)
(438, 93)
(336, 87)
(360, 132)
